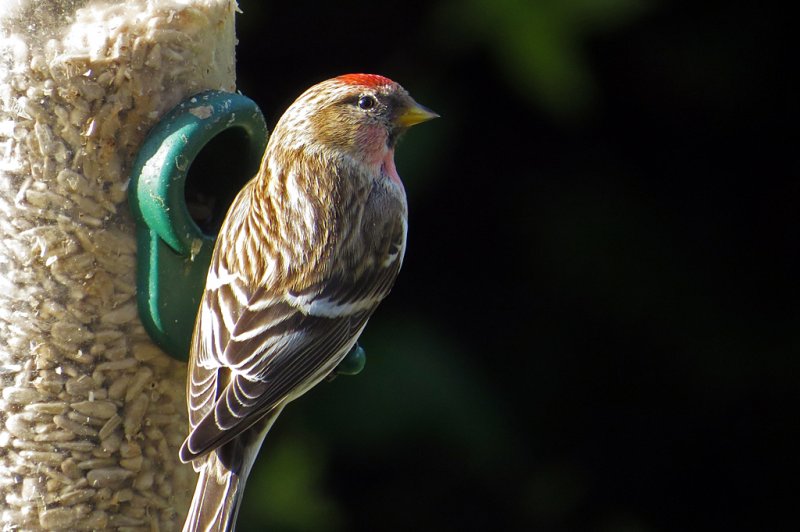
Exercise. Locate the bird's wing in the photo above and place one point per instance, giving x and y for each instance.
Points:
(255, 351)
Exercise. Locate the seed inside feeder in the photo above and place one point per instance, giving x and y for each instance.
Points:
(91, 412)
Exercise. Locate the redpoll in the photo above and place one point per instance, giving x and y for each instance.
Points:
(308, 249)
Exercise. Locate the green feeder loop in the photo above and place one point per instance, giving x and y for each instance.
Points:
(173, 252)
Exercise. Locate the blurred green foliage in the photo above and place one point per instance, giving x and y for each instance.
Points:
(284, 491)
(539, 44)
(415, 386)
(595, 326)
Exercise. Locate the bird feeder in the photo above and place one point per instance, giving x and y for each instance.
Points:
(92, 410)
(174, 252)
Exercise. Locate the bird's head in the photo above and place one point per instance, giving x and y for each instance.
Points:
(358, 116)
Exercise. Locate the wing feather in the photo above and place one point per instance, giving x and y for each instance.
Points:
(255, 349)
(273, 352)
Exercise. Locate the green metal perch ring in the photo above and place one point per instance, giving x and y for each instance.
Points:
(173, 253)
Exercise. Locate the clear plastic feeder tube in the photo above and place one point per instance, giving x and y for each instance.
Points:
(91, 413)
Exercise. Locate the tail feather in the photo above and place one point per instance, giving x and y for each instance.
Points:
(216, 500)
(223, 473)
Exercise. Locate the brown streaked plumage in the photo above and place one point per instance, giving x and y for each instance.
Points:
(307, 251)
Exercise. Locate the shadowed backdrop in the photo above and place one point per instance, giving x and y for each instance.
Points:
(596, 325)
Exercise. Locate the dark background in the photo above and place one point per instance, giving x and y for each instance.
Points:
(596, 326)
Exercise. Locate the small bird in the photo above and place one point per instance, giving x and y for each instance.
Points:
(306, 252)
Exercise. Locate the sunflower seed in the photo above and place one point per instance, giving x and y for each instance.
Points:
(81, 375)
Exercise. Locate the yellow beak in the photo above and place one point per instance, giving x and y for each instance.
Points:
(415, 114)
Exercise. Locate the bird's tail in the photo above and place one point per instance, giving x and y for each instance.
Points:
(223, 473)
(216, 498)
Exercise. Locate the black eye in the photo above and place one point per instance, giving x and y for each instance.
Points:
(367, 102)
